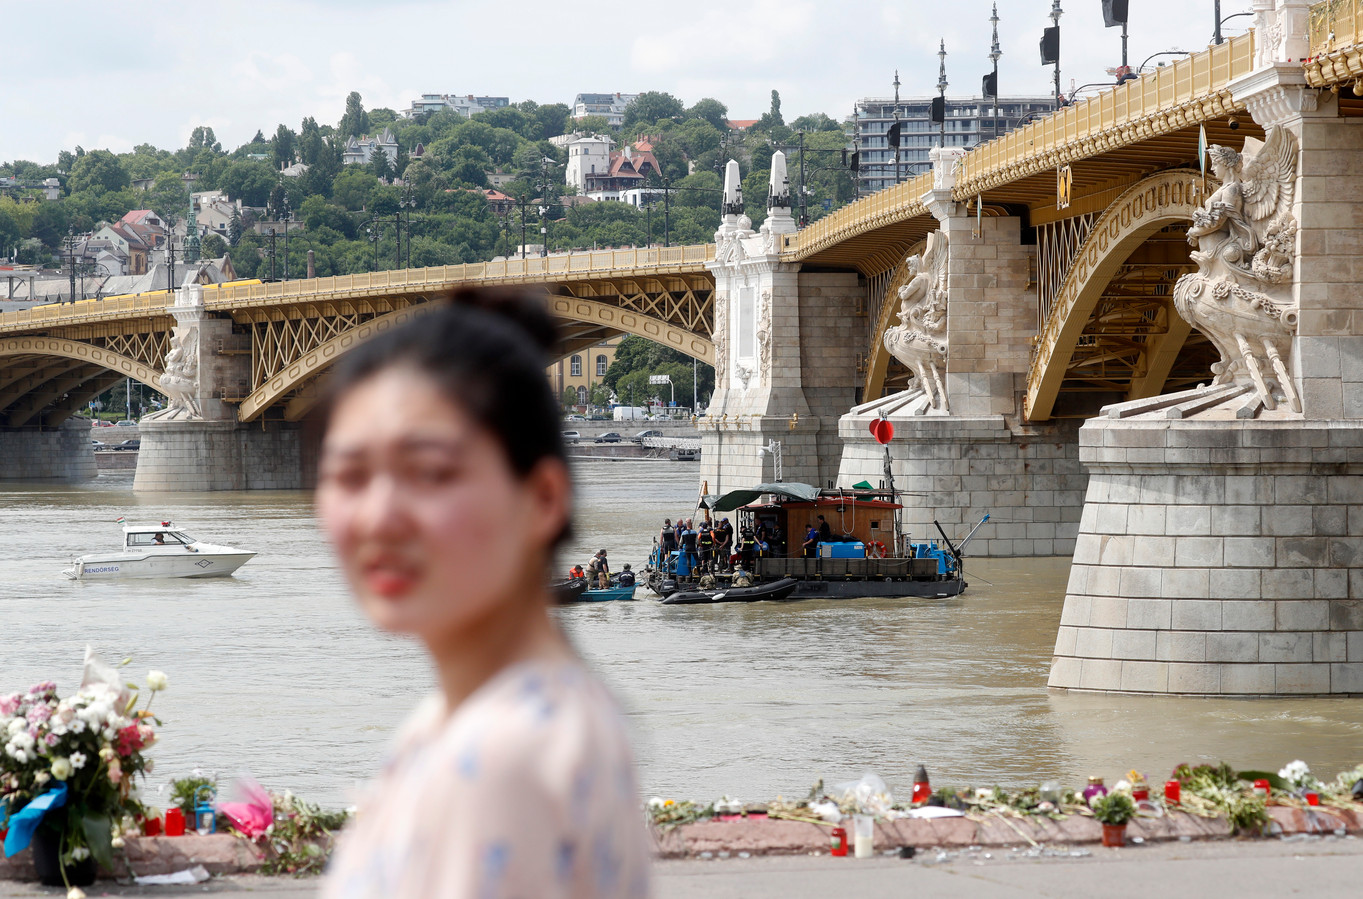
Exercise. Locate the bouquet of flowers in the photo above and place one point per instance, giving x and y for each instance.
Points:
(69, 766)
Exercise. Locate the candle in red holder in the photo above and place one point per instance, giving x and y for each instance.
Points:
(151, 827)
(1140, 794)
(1313, 798)
(175, 823)
(1171, 790)
(838, 839)
(1261, 787)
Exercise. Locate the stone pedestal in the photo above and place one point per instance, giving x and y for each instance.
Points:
(1216, 555)
(956, 468)
(786, 347)
(55, 454)
(219, 455)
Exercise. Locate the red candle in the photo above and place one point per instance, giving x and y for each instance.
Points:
(838, 838)
(175, 823)
(1261, 787)
(1140, 794)
(1313, 798)
(151, 827)
(1171, 790)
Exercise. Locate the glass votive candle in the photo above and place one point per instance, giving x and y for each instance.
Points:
(1171, 790)
(1261, 787)
(1312, 797)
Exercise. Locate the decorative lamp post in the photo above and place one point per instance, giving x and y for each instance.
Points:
(1056, 13)
(942, 90)
(896, 130)
(994, 54)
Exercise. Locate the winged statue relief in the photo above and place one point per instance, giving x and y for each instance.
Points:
(920, 338)
(1241, 294)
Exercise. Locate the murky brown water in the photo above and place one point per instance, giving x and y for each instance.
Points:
(273, 672)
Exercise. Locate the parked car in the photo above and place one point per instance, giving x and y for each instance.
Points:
(572, 437)
(611, 437)
(97, 444)
(101, 423)
(125, 423)
(574, 418)
(132, 444)
(639, 437)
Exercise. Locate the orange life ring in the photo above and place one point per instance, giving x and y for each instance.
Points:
(875, 550)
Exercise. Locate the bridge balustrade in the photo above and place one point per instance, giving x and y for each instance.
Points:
(1165, 90)
(1334, 25)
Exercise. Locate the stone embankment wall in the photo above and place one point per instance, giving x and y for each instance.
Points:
(60, 454)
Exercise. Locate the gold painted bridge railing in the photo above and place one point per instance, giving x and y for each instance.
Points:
(1335, 30)
(649, 262)
(1172, 97)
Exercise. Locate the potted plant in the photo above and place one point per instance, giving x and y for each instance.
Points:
(1113, 811)
(67, 771)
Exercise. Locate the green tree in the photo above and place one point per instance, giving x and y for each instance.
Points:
(285, 147)
(817, 121)
(203, 138)
(381, 166)
(354, 187)
(248, 180)
(311, 145)
(98, 171)
(650, 106)
(234, 228)
(771, 118)
(10, 235)
(712, 111)
(592, 124)
(214, 247)
(355, 122)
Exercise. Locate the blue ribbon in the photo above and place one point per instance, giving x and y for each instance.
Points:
(26, 821)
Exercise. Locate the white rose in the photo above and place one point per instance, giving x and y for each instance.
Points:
(117, 842)
(75, 892)
(17, 725)
(61, 768)
(41, 778)
(157, 681)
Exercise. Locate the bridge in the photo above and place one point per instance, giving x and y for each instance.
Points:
(1187, 422)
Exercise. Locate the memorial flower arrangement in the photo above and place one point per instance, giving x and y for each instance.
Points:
(70, 766)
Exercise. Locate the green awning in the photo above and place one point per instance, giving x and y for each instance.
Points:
(736, 498)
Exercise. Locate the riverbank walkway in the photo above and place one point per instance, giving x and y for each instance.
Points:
(1316, 866)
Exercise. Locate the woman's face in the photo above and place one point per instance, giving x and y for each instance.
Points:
(434, 530)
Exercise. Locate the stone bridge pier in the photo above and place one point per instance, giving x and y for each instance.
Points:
(1221, 545)
(786, 344)
(961, 447)
(62, 453)
(197, 443)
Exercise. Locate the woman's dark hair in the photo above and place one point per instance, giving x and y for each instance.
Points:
(487, 352)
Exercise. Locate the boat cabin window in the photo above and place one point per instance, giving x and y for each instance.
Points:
(168, 538)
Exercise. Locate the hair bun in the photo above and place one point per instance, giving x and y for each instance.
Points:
(524, 310)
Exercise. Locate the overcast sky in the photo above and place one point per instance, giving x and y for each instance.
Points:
(149, 72)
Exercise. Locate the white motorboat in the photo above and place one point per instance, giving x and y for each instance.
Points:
(159, 551)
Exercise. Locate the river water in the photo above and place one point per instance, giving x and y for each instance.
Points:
(273, 672)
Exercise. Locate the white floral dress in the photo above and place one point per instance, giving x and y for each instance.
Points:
(526, 790)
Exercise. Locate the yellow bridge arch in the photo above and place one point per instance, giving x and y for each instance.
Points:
(1151, 204)
(296, 384)
(54, 392)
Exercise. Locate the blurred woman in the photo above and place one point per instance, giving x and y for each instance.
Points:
(444, 489)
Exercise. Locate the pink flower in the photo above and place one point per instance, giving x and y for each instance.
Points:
(115, 771)
(39, 712)
(8, 704)
(52, 739)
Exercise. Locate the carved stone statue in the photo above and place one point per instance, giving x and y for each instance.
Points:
(180, 383)
(920, 338)
(764, 337)
(1241, 295)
